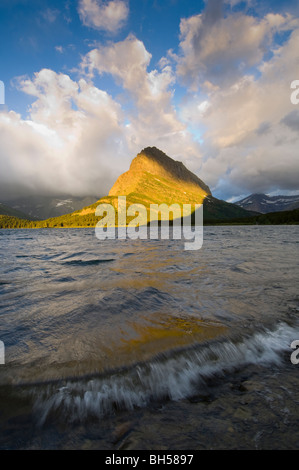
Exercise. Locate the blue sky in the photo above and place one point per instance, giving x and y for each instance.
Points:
(89, 83)
(32, 30)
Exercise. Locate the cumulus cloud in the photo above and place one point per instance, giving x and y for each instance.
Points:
(72, 142)
(154, 120)
(216, 48)
(77, 138)
(244, 113)
(106, 16)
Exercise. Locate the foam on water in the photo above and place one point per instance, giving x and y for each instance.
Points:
(172, 376)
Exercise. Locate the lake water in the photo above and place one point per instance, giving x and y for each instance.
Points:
(140, 344)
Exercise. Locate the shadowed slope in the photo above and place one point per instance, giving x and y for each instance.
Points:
(154, 175)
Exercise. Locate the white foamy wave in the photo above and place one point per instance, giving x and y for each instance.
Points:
(176, 376)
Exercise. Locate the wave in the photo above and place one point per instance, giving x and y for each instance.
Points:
(174, 376)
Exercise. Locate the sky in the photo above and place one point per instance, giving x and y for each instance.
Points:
(90, 83)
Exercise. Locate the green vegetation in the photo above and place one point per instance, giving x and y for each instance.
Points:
(69, 220)
(90, 220)
(272, 218)
(215, 209)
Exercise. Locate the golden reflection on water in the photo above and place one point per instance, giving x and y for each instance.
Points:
(165, 333)
(138, 341)
(154, 271)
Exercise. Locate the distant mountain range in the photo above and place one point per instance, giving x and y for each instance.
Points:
(10, 211)
(264, 204)
(153, 178)
(45, 207)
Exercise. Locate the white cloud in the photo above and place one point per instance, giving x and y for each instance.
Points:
(72, 141)
(220, 49)
(78, 138)
(249, 137)
(127, 61)
(154, 120)
(106, 16)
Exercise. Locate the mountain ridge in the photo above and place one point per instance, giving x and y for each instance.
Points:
(44, 207)
(265, 204)
(12, 212)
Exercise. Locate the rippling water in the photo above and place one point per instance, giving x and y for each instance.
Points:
(109, 343)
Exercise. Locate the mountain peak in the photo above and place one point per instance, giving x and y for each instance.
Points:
(151, 165)
(156, 154)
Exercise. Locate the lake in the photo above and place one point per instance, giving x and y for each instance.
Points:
(140, 344)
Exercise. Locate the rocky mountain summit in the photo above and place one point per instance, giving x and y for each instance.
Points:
(152, 169)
